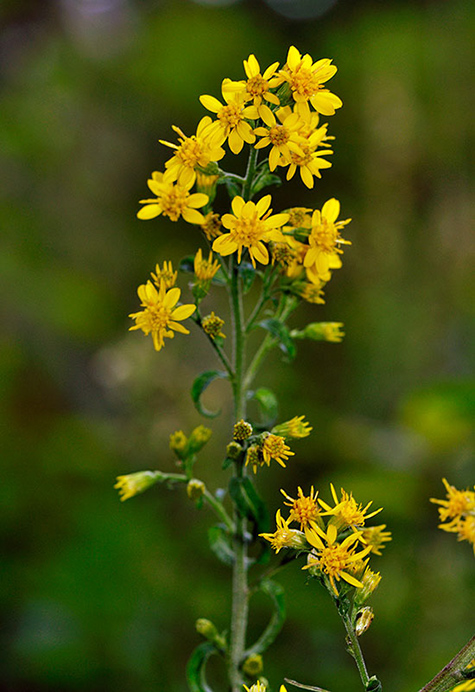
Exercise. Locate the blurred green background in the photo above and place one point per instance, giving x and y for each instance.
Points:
(99, 595)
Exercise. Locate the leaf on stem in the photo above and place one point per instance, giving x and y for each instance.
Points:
(198, 387)
(219, 541)
(249, 503)
(268, 406)
(195, 669)
(282, 335)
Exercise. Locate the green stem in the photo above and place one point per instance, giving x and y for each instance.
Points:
(355, 648)
(239, 614)
(219, 510)
(249, 179)
(452, 673)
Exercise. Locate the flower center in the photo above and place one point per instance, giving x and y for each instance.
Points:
(189, 152)
(175, 202)
(248, 231)
(278, 135)
(325, 237)
(305, 82)
(230, 115)
(333, 560)
(257, 86)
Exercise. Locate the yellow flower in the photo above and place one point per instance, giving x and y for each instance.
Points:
(293, 429)
(467, 685)
(232, 118)
(310, 292)
(306, 80)
(278, 134)
(458, 503)
(249, 227)
(332, 558)
(135, 483)
(304, 154)
(347, 512)
(212, 225)
(256, 87)
(284, 536)
(375, 536)
(167, 275)
(196, 151)
(212, 325)
(160, 317)
(274, 447)
(325, 237)
(205, 269)
(256, 687)
(173, 200)
(304, 509)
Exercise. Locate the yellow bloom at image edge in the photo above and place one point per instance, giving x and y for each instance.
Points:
(160, 317)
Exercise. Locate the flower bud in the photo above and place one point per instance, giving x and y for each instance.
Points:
(253, 665)
(206, 629)
(320, 331)
(212, 326)
(242, 430)
(364, 618)
(234, 451)
(195, 489)
(370, 581)
(198, 438)
(179, 444)
(135, 483)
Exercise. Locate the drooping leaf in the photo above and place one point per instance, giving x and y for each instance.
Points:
(196, 667)
(268, 406)
(281, 333)
(198, 387)
(249, 503)
(220, 544)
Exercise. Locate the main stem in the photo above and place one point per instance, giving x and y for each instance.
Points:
(355, 649)
(239, 613)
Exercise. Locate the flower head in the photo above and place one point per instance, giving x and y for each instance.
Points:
(257, 87)
(304, 509)
(324, 239)
(458, 502)
(211, 226)
(135, 483)
(294, 429)
(306, 80)
(250, 226)
(205, 269)
(192, 152)
(165, 274)
(160, 317)
(274, 447)
(332, 558)
(212, 325)
(376, 537)
(347, 512)
(172, 200)
(284, 536)
(232, 123)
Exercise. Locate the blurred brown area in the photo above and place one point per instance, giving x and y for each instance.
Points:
(99, 595)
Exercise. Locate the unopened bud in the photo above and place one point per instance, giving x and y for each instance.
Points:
(179, 444)
(135, 483)
(206, 629)
(234, 451)
(195, 489)
(242, 430)
(198, 438)
(253, 665)
(370, 581)
(364, 618)
(320, 331)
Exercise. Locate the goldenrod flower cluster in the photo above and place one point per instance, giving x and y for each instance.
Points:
(336, 539)
(275, 112)
(457, 513)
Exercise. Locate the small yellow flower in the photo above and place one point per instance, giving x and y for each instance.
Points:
(179, 444)
(172, 200)
(257, 87)
(249, 227)
(332, 558)
(160, 317)
(253, 665)
(135, 483)
(304, 509)
(242, 430)
(205, 269)
(294, 429)
(306, 149)
(279, 134)
(196, 151)
(274, 447)
(310, 292)
(324, 239)
(166, 274)
(232, 123)
(376, 537)
(256, 687)
(212, 325)
(306, 80)
(458, 502)
(198, 438)
(284, 536)
(347, 512)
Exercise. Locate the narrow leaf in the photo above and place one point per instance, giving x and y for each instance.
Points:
(195, 669)
(276, 593)
(249, 503)
(198, 387)
(268, 406)
(282, 334)
(220, 545)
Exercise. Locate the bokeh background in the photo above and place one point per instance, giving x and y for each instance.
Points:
(99, 595)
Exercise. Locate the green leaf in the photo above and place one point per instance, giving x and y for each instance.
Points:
(268, 406)
(280, 332)
(198, 387)
(195, 669)
(248, 273)
(276, 593)
(249, 503)
(219, 542)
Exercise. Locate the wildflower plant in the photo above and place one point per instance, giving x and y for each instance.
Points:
(275, 115)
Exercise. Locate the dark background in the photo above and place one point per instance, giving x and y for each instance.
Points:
(99, 595)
